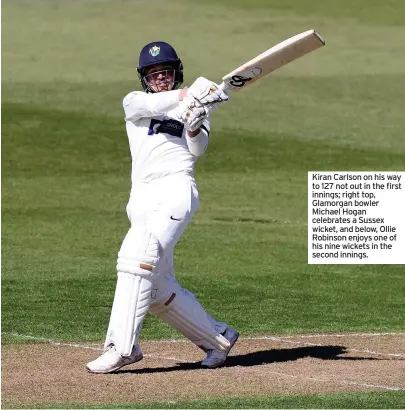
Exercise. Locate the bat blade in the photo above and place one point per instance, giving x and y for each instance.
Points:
(272, 59)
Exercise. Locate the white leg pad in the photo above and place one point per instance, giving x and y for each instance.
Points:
(179, 308)
(139, 253)
(131, 303)
(137, 261)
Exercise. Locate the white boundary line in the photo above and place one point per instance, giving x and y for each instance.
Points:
(367, 385)
(318, 335)
(80, 346)
(273, 338)
(365, 334)
(267, 372)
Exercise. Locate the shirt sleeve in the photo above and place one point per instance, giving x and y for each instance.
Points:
(198, 145)
(138, 104)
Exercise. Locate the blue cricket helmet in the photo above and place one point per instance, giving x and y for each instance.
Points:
(159, 52)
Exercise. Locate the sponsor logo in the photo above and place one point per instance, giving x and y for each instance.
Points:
(169, 126)
(174, 125)
(238, 80)
(174, 219)
(154, 51)
(247, 75)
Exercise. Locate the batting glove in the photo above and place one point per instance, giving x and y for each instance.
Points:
(207, 92)
(191, 113)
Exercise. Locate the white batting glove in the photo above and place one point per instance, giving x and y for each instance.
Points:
(207, 92)
(191, 113)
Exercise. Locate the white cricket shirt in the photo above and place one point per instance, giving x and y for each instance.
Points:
(158, 141)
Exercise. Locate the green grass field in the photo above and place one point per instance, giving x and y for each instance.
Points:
(66, 165)
(331, 401)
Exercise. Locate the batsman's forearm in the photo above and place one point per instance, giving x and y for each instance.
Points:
(138, 104)
(193, 134)
(197, 141)
(160, 103)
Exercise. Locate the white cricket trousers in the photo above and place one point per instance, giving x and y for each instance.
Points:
(167, 205)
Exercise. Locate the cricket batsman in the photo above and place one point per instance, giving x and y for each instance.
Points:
(168, 129)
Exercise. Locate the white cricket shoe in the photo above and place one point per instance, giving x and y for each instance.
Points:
(111, 360)
(216, 358)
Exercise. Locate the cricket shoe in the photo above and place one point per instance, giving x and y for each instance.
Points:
(216, 358)
(111, 360)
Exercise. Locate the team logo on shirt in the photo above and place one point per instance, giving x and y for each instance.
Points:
(154, 51)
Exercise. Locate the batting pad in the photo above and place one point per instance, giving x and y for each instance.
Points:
(139, 253)
(137, 261)
(131, 303)
(180, 309)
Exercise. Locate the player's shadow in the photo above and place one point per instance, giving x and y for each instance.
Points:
(263, 357)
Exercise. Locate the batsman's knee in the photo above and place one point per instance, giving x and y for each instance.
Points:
(139, 253)
(180, 309)
(164, 290)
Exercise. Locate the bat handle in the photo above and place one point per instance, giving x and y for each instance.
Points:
(223, 86)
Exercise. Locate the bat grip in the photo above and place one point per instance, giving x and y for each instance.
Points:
(223, 86)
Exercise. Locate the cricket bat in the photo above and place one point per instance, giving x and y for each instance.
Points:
(272, 59)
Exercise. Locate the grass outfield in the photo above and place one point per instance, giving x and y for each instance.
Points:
(66, 164)
(392, 400)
